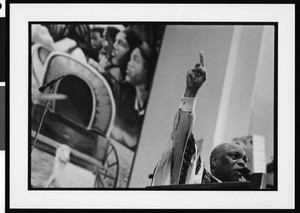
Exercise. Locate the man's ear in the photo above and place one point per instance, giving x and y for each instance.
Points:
(213, 161)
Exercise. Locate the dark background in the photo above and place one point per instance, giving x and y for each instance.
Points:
(2, 49)
(2, 118)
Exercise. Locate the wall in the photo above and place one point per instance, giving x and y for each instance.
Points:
(179, 53)
(262, 106)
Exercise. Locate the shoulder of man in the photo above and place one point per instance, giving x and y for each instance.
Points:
(208, 177)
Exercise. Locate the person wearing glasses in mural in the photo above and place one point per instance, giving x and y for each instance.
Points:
(132, 96)
(227, 161)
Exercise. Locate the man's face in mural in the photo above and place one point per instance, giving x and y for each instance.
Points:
(96, 40)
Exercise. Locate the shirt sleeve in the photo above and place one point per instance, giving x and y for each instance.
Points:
(168, 168)
(183, 124)
(187, 104)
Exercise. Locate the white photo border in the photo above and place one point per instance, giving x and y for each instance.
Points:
(19, 17)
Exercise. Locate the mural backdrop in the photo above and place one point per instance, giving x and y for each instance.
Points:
(90, 84)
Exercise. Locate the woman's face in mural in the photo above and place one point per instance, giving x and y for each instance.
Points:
(136, 73)
(120, 50)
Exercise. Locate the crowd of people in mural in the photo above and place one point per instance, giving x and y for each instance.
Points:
(124, 54)
(126, 62)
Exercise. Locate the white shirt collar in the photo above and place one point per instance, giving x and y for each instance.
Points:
(137, 108)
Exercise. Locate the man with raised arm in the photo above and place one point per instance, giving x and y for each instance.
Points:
(181, 162)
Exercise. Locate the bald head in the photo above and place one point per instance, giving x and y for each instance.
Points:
(225, 161)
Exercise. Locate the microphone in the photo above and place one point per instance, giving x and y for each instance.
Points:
(42, 88)
(247, 173)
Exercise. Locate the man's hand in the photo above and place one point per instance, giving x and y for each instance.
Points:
(195, 78)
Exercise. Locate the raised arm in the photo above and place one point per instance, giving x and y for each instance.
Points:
(168, 169)
(184, 119)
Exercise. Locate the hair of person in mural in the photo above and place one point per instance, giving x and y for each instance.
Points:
(125, 42)
(138, 73)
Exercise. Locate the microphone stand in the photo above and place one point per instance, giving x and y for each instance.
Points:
(42, 119)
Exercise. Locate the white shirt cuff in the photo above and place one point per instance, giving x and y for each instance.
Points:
(188, 104)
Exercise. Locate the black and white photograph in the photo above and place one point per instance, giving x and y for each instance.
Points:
(90, 86)
(149, 104)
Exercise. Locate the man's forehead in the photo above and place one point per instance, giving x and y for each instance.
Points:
(234, 148)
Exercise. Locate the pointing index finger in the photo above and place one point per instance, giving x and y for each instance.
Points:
(201, 55)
